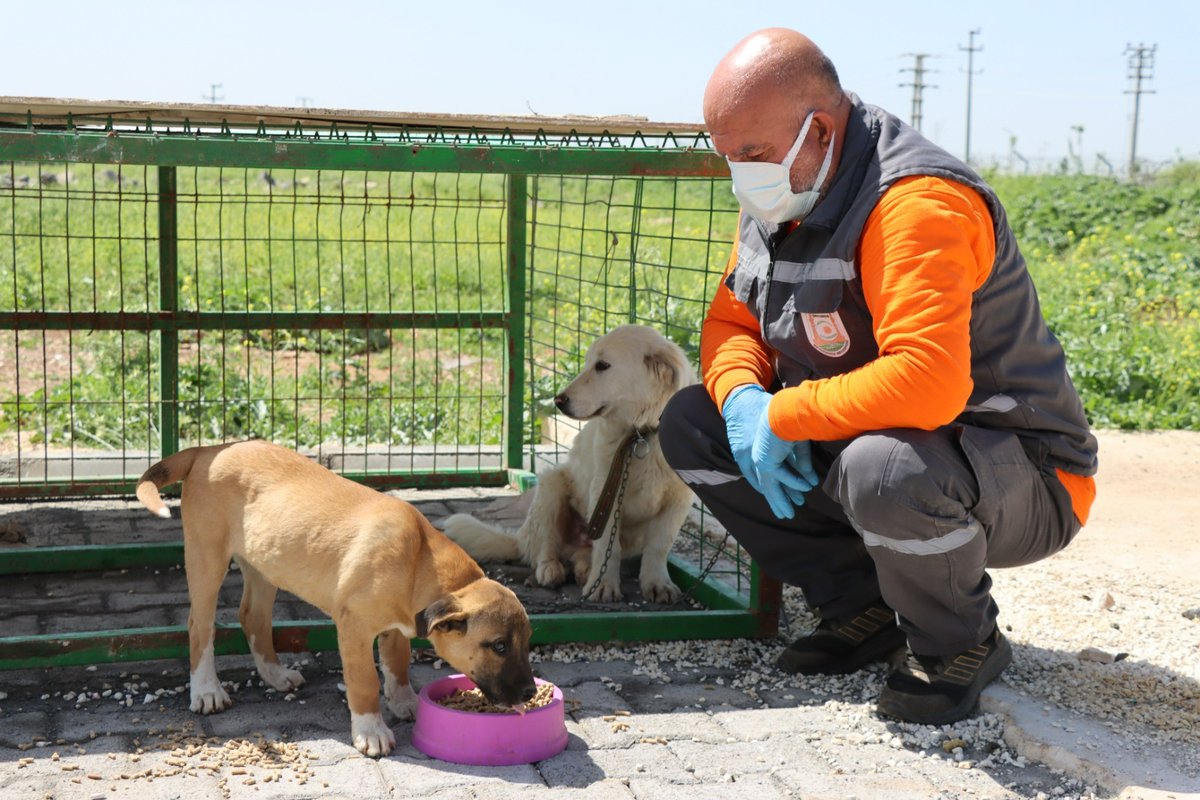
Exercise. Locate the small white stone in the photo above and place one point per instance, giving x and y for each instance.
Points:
(1096, 655)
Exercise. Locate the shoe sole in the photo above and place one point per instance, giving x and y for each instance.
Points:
(887, 643)
(897, 705)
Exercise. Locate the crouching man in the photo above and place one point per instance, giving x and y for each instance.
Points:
(884, 414)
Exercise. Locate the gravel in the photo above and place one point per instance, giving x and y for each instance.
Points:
(1148, 692)
(1056, 614)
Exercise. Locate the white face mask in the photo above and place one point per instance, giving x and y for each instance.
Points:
(765, 189)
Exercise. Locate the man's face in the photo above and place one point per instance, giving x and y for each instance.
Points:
(767, 137)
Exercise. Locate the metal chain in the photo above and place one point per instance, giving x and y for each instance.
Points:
(641, 448)
(616, 521)
(704, 574)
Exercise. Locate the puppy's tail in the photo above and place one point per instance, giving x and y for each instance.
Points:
(481, 541)
(171, 469)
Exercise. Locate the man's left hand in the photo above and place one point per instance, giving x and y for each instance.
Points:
(784, 469)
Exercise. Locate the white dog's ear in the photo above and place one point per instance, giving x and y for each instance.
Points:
(663, 366)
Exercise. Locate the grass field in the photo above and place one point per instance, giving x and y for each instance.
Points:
(1117, 266)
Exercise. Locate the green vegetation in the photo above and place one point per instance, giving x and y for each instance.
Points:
(1117, 266)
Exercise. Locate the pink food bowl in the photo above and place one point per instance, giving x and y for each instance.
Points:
(468, 737)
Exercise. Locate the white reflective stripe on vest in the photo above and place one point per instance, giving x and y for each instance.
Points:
(925, 547)
(823, 269)
(997, 402)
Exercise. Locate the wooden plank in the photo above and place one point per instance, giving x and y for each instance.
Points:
(51, 110)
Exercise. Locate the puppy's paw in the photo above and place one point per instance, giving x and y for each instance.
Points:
(658, 591)
(550, 574)
(280, 678)
(402, 701)
(370, 736)
(604, 593)
(209, 700)
(583, 569)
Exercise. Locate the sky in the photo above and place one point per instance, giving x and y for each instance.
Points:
(1051, 78)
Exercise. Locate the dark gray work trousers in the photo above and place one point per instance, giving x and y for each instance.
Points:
(913, 517)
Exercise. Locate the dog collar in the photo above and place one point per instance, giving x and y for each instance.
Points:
(637, 443)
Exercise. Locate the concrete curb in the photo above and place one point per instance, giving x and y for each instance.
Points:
(1083, 748)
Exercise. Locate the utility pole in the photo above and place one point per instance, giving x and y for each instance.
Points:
(303, 101)
(212, 97)
(1076, 153)
(918, 85)
(1141, 68)
(971, 50)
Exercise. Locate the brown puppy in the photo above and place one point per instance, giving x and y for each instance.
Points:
(371, 562)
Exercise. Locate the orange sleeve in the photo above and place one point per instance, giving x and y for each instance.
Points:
(732, 351)
(925, 248)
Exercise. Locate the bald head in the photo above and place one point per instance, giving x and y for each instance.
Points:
(774, 66)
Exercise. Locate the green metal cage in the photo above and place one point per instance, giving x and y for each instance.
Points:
(397, 296)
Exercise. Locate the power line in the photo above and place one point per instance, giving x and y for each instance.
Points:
(1141, 68)
(918, 85)
(971, 50)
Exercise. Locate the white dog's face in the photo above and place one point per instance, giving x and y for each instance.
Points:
(628, 377)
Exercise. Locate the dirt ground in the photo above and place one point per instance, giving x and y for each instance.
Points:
(1147, 512)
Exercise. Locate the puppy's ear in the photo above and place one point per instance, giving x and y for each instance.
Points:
(444, 614)
(662, 364)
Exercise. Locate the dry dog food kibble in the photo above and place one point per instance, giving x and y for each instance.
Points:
(473, 700)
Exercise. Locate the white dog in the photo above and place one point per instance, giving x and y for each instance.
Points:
(628, 377)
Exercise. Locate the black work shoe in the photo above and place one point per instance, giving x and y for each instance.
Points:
(936, 690)
(844, 644)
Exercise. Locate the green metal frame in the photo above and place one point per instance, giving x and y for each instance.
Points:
(726, 616)
(515, 155)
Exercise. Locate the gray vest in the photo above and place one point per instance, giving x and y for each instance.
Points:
(805, 290)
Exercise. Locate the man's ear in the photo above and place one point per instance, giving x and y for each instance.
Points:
(445, 613)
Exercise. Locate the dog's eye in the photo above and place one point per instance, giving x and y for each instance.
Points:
(601, 366)
(500, 648)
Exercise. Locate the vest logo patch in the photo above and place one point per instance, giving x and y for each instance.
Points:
(827, 333)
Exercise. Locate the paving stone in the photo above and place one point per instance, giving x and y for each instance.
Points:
(591, 699)
(755, 786)
(711, 762)
(653, 697)
(562, 672)
(639, 761)
(605, 789)
(575, 767)
(411, 773)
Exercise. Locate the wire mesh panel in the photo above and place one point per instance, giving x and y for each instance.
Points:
(270, 264)
(606, 251)
(399, 302)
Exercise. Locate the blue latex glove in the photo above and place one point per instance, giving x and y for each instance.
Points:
(778, 469)
(742, 409)
(779, 463)
(800, 460)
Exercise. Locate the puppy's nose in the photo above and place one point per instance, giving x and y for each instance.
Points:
(528, 694)
(560, 400)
